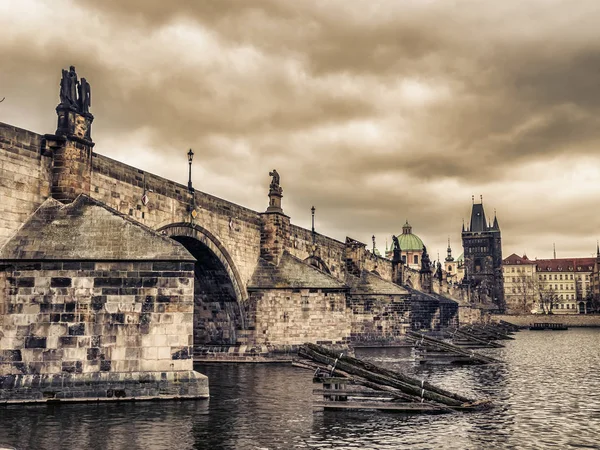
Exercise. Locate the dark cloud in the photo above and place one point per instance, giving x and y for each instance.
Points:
(375, 112)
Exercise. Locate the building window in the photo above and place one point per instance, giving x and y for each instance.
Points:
(416, 259)
(404, 259)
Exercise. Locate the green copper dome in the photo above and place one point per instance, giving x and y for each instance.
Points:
(409, 241)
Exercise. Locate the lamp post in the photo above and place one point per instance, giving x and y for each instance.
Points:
(312, 210)
(190, 156)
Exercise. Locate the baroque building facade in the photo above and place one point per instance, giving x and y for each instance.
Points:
(520, 283)
(557, 285)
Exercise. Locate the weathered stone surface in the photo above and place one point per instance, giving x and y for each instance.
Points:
(380, 310)
(86, 229)
(291, 273)
(72, 385)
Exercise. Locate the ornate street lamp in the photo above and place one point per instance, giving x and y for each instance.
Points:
(190, 156)
(312, 210)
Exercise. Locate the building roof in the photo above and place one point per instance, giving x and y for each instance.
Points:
(429, 297)
(478, 220)
(291, 273)
(372, 284)
(515, 259)
(565, 265)
(86, 229)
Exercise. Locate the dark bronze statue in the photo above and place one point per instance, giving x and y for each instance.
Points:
(85, 96)
(67, 95)
(396, 249)
(75, 94)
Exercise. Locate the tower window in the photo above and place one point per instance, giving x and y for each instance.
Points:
(416, 259)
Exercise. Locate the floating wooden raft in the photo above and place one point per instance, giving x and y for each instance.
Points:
(433, 351)
(548, 326)
(486, 333)
(495, 328)
(465, 339)
(352, 383)
(508, 326)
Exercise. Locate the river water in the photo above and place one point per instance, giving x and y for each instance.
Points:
(546, 395)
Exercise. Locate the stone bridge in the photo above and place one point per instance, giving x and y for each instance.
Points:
(95, 276)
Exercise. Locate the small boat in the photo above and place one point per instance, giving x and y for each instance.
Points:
(548, 326)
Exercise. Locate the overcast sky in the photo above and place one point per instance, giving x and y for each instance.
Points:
(374, 112)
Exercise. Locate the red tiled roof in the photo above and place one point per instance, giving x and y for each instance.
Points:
(516, 259)
(565, 265)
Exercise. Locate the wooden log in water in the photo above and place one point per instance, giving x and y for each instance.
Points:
(381, 376)
(508, 325)
(491, 332)
(463, 335)
(475, 358)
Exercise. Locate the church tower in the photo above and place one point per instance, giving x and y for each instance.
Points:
(482, 245)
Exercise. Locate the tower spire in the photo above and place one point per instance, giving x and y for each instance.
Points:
(554, 247)
(449, 257)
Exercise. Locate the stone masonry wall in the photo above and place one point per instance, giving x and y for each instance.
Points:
(333, 253)
(24, 177)
(296, 316)
(581, 320)
(86, 320)
(468, 315)
(430, 314)
(121, 187)
(25, 182)
(379, 317)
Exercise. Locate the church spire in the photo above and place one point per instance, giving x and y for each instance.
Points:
(449, 257)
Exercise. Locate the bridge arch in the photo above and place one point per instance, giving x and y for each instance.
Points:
(219, 294)
(317, 262)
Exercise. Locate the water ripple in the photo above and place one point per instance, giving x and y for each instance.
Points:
(546, 395)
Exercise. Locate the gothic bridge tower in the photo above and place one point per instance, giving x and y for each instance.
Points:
(482, 245)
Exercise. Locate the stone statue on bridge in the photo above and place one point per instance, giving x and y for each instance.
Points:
(275, 187)
(74, 94)
(396, 249)
(69, 87)
(85, 96)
